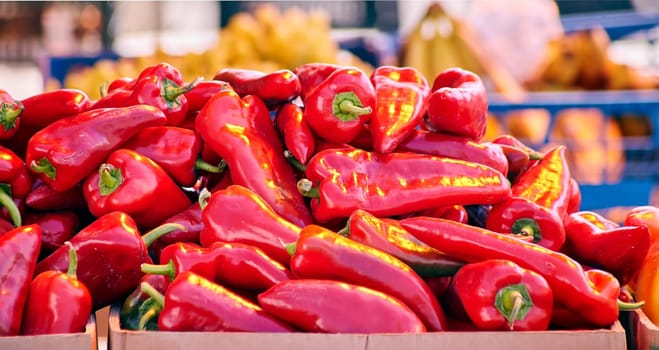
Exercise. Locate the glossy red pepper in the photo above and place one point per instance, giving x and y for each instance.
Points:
(312, 74)
(401, 100)
(517, 159)
(58, 302)
(57, 227)
(238, 215)
(19, 251)
(389, 184)
(297, 135)
(340, 105)
(597, 241)
(11, 110)
(323, 254)
(63, 161)
(48, 107)
(592, 294)
(499, 295)
(311, 305)
(15, 183)
(644, 215)
(386, 235)
(110, 251)
(457, 147)
(458, 104)
(236, 130)
(273, 88)
(201, 93)
(176, 150)
(539, 202)
(451, 212)
(509, 140)
(45, 198)
(193, 303)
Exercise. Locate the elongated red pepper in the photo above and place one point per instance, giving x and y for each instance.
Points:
(15, 183)
(395, 183)
(273, 88)
(457, 147)
(312, 74)
(45, 108)
(458, 104)
(401, 100)
(62, 161)
(297, 135)
(340, 105)
(201, 93)
(597, 241)
(539, 202)
(57, 227)
(387, 236)
(323, 254)
(221, 309)
(45, 198)
(110, 251)
(19, 251)
(254, 158)
(239, 215)
(592, 294)
(176, 150)
(499, 295)
(10, 115)
(58, 302)
(308, 304)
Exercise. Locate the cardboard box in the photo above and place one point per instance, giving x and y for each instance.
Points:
(72, 341)
(604, 339)
(644, 334)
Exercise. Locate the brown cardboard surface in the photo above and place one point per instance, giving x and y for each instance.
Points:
(72, 341)
(604, 339)
(645, 333)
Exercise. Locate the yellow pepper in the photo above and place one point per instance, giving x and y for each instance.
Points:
(646, 283)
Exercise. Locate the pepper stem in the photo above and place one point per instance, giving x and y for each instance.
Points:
(527, 227)
(153, 293)
(147, 317)
(109, 179)
(8, 202)
(171, 91)
(305, 187)
(160, 231)
(202, 165)
(630, 306)
(204, 196)
(513, 302)
(168, 269)
(43, 165)
(73, 261)
(294, 162)
(291, 248)
(9, 113)
(346, 106)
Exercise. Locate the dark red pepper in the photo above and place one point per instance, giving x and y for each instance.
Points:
(57, 227)
(311, 305)
(451, 212)
(254, 155)
(19, 251)
(15, 183)
(58, 302)
(401, 100)
(10, 115)
(62, 161)
(298, 137)
(44, 198)
(322, 254)
(312, 74)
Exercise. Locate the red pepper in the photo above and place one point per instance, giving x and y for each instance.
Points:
(323, 254)
(395, 183)
(509, 140)
(193, 303)
(254, 157)
(19, 251)
(592, 294)
(499, 295)
(312, 306)
(298, 137)
(5, 226)
(176, 150)
(340, 105)
(645, 215)
(539, 202)
(458, 104)
(15, 183)
(43, 197)
(401, 100)
(311, 75)
(204, 90)
(62, 161)
(10, 115)
(58, 302)
(451, 212)
(575, 198)
(110, 251)
(136, 185)
(457, 147)
(117, 84)
(518, 160)
(273, 88)
(597, 241)
(386, 235)
(57, 227)
(238, 215)
(48, 107)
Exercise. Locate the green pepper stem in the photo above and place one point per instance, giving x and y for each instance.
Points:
(513, 302)
(43, 165)
(527, 227)
(171, 90)
(73, 261)
(109, 179)
(347, 106)
(148, 316)
(168, 269)
(149, 290)
(160, 231)
(294, 162)
(204, 196)
(291, 248)
(630, 306)
(9, 113)
(202, 165)
(14, 213)
(305, 187)
(103, 89)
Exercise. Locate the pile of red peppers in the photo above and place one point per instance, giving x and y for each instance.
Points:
(292, 201)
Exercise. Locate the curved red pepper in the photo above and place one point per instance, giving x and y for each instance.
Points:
(255, 159)
(57, 227)
(499, 295)
(298, 137)
(340, 105)
(396, 183)
(201, 93)
(273, 88)
(62, 161)
(19, 251)
(323, 254)
(58, 302)
(597, 241)
(11, 110)
(312, 74)
(458, 104)
(136, 185)
(401, 100)
(311, 305)
(592, 294)
(45, 108)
